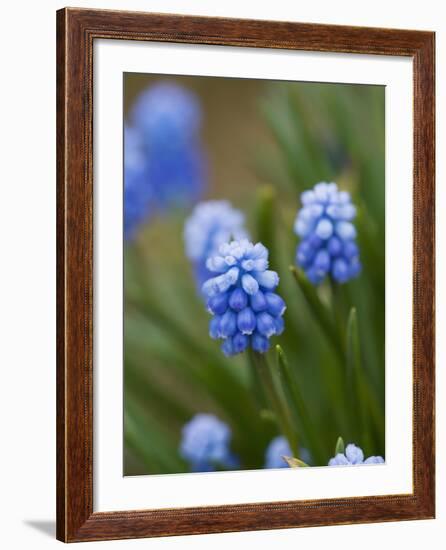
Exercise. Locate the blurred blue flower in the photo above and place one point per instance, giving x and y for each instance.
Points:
(178, 179)
(168, 116)
(163, 156)
(137, 190)
(328, 245)
(353, 456)
(246, 310)
(211, 224)
(169, 119)
(205, 443)
(277, 448)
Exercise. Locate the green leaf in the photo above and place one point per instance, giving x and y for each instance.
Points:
(140, 384)
(295, 462)
(340, 447)
(205, 375)
(357, 389)
(155, 448)
(363, 401)
(296, 404)
(316, 160)
(333, 371)
(319, 310)
(268, 415)
(353, 346)
(279, 123)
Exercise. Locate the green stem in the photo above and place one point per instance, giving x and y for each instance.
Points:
(321, 313)
(260, 363)
(256, 382)
(338, 308)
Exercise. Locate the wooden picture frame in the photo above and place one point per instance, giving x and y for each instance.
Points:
(77, 29)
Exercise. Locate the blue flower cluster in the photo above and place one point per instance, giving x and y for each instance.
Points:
(278, 448)
(168, 116)
(205, 444)
(137, 191)
(328, 245)
(210, 225)
(164, 163)
(246, 310)
(353, 456)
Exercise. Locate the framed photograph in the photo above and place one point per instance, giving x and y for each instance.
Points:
(245, 275)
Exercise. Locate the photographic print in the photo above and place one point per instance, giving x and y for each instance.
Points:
(245, 275)
(254, 274)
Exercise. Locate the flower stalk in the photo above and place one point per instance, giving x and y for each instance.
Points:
(260, 363)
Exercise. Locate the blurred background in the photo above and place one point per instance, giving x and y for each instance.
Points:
(258, 144)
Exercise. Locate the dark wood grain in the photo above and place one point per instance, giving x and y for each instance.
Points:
(76, 31)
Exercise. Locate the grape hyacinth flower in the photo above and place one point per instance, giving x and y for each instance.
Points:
(277, 448)
(205, 443)
(168, 118)
(353, 456)
(164, 162)
(137, 190)
(240, 296)
(211, 224)
(328, 245)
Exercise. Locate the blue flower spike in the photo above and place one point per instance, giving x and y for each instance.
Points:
(163, 156)
(211, 224)
(138, 193)
(328, 237)
(240, 295)
(353, 456)
(168, 115)
(278, 448)
(205, 443)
